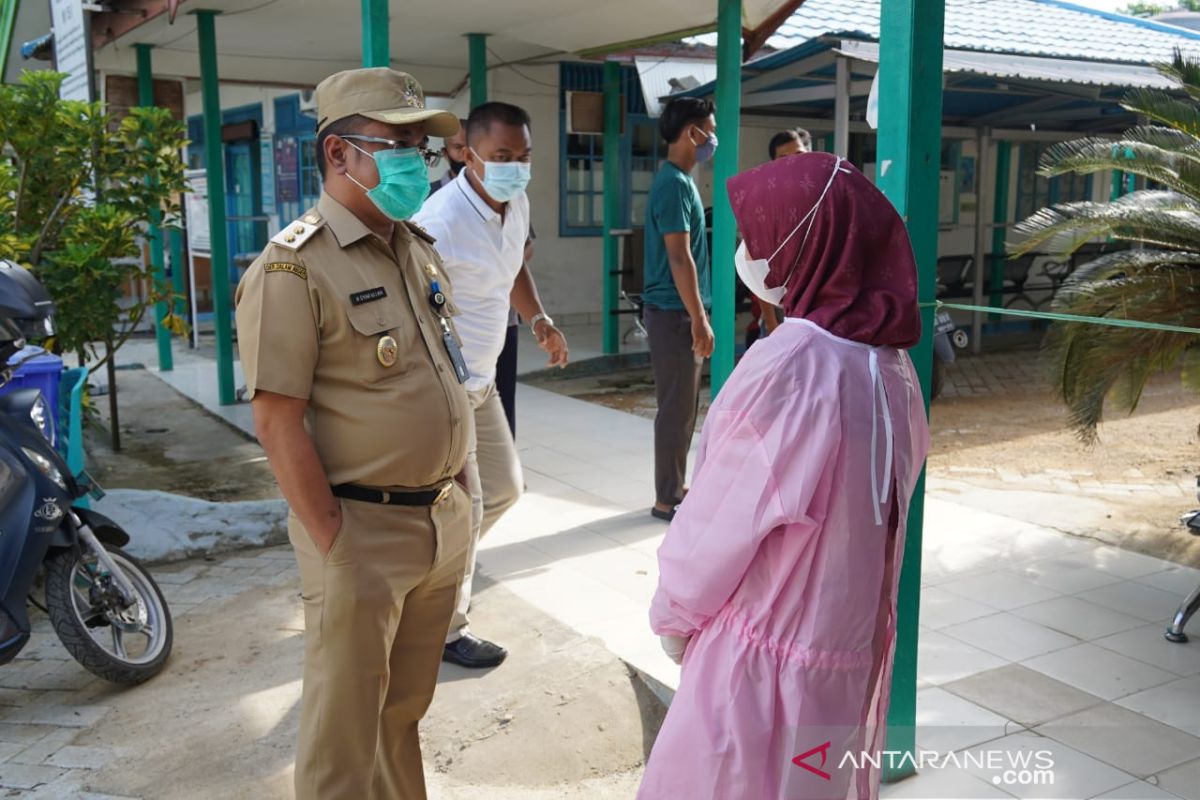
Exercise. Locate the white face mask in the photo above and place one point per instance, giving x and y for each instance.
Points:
(754, 271)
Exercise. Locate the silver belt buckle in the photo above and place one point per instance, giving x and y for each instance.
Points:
(444, 492)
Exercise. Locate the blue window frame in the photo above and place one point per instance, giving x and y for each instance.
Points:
(297, 182)
(581, 162)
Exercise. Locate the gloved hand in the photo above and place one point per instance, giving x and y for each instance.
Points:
(675, 647)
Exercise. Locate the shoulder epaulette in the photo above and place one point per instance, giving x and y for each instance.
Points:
(419, 231)
(295, 234)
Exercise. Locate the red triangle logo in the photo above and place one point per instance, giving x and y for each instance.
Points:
(823, 749)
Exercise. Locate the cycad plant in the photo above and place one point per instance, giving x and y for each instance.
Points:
(1157, 280)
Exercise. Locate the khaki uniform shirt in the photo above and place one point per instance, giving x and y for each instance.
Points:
(312, 314)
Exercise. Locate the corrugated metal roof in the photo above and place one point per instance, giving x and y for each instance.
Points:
(1028, 27)
(656, 75)
(1054, 70)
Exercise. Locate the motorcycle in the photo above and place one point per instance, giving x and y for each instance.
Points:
(106, 609)
(947, 336)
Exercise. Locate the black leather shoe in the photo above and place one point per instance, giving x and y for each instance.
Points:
(474, 653)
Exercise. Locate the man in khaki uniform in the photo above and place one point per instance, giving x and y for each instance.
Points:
(352, 364)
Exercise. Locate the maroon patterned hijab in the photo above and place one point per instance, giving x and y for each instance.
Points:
(855, 274)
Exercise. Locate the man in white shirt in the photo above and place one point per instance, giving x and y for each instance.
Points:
(481, 224)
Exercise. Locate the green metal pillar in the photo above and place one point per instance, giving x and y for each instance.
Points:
(375, 41)
(1000, 232)
(729, 112)
(214, 162)
(910, 124)
(8, 22)
(612, 204)
(478, 64)
(145, 75)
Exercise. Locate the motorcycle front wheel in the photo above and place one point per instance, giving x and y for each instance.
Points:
(122, 643)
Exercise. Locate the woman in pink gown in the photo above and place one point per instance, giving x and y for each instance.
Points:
(778, 576)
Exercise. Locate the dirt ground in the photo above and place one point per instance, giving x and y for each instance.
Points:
(999, 430)
(172, 444)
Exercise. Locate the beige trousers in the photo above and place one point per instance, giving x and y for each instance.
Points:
(494, 481)
(376, 611)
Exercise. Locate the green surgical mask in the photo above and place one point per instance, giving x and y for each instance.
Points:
(403, 181)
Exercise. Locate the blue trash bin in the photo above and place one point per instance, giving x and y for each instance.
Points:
(42, 372)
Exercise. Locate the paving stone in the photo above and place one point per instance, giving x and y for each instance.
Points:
(27, 776)
(8, 750)
(62, 676)
(175, 578)
(40, 751)
(16, 698)
(240, 561)
(1022, 694)
(65, 716)
(76, 757)
(23, 735)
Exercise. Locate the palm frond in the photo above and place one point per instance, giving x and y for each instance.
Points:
(1190, 375)
(1092, 364)
(1160, 106)
(1127, 262)
(1157, 154)
(1153, 217)
(1185, 70)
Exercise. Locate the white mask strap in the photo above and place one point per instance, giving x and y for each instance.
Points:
(837, 167)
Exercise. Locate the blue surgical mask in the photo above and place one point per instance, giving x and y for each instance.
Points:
(504, 180)
(705, 151)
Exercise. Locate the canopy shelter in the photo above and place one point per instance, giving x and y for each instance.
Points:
(299, 42)
(979, 89)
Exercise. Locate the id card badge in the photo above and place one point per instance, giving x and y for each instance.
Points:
(455, 352)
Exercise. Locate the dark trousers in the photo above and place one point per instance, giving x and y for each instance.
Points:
(506, 377)
(677, 388)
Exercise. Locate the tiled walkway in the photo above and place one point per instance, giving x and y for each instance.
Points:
(1031, 639)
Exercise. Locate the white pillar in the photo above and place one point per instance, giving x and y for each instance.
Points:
(841, 109)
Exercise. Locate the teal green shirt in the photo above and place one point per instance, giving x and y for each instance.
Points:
(674, 206)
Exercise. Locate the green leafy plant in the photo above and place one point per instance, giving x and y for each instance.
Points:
(1157, 280)
(77, 188)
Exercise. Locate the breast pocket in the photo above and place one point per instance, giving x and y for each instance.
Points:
(381, 335)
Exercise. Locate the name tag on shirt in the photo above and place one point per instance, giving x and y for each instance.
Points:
(368, 296)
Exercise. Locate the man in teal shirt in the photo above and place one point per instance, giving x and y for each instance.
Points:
(677, 293)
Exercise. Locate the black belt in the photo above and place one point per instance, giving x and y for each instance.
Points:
(396, 497)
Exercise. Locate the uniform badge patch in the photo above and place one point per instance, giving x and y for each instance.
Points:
(368, 295)
(295, 269)
(386, 350)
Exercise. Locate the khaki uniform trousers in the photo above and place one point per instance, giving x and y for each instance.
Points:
(494, 479)
(376, 611)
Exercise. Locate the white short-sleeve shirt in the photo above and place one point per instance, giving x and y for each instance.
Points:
(482, 254)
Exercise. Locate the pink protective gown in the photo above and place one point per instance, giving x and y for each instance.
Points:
(783, 564)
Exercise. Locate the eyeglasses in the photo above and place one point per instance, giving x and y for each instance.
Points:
(430, 157)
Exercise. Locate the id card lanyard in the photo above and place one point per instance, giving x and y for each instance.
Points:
(437, 301)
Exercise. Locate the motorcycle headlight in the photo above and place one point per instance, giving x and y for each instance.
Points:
(43, 418)
(46, 466)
